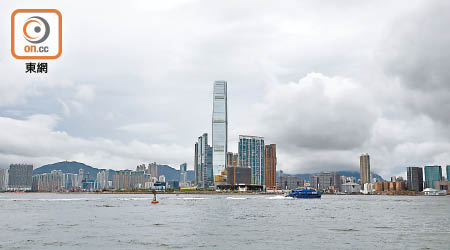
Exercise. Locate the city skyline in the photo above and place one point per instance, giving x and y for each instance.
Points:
(323, 95)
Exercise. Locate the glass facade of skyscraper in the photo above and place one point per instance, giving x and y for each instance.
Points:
(251, 154)
(203, 162)
(415, 178)
(447, 169)
(432, 174)
(219, 127)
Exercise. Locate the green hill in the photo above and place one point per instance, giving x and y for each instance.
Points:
(68, 167)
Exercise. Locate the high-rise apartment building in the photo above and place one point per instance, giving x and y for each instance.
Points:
(364, 168)
(183, 174)
(219, 128)
(203, 160)
(432, 174)
(140, 168)
(326, 181)
(4, 179)
(20, 177)
(415, 178)
(153, 169)
(232, 159)
(290, 182)
(251, 155)
(270, 165)
(183, 167)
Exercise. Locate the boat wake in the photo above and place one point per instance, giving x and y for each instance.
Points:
(279, 197)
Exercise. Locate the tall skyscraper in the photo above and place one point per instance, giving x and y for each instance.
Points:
(20, 176)
(183, 174)
(203, 160)
(219, 128)
(183, 167)
(432, 174)
(270, 165)
(364, 168)
(251, 155)
(447, 169)
(415, 178)
(4, 178)
(153, 169)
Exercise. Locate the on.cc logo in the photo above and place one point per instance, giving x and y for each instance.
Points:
(36, 29)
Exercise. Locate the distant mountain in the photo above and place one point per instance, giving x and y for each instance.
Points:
(172, 174)
(68, 167)
(344, 173)
(357, 175)
(74, 168)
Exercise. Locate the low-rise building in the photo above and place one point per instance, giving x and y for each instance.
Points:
(239, 175)
(350, 188)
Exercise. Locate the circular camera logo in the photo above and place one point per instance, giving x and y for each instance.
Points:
(36, 29)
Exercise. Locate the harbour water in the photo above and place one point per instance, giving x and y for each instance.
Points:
(127, 221)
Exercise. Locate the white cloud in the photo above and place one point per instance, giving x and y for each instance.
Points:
(35, 140)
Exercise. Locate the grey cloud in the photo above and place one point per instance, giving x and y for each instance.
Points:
(416, 52)
(319, 112)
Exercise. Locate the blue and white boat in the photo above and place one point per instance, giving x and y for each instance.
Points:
(306, 193)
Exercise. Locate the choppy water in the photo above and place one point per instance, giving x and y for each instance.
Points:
(124, 221)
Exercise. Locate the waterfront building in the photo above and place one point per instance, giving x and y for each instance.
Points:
(313, 181)
(81, 174)
(239, 175)
(183, 167)
(183, 175)
(432, 174)
(326, 181)
(251, 155)
(368, 188)
(447, 169)
(415, 178)
(219, 129)
(48, 182)
(72, 182)
(105, 178)
(173, 184)
(132, 180)
(364, 168)
(232, 159)
(290, 182)
(203, 163)
(442, 185)
(153, 169)
(4, 179)
(400, 186)
(379, 186)
(270, 165)
(197, 172)
(140, 168)
(139, 180)
(20, 177)
(350, 188)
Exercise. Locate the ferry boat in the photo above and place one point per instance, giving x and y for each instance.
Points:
(434, 192)
(306, 193)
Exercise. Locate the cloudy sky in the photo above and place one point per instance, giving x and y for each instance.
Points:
(325, 81)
